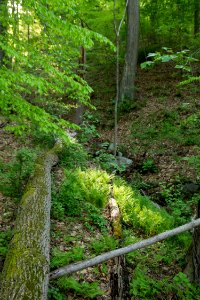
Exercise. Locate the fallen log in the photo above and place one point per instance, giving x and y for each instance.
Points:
(121, 251)
(26, 269)
(118, 273)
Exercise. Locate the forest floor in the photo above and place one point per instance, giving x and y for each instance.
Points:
(154, 128)
(156, 133)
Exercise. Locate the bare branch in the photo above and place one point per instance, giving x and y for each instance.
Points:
(121, 251)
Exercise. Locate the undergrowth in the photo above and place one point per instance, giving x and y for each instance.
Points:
(15, 174)
(138, 211)
(79, 187)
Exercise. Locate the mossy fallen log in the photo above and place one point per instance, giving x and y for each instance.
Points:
(26, 270)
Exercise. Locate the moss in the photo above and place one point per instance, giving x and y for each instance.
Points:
(117, 228)
(26, 265)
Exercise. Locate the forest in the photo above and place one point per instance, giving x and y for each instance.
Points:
(100, 149)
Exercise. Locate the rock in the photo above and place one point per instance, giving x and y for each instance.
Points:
(190, 188)
(123, 161)
(156, 204)
(111, 147)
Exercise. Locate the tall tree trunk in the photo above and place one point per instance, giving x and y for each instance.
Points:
(25, 274)
(196, 17)
(3, 27)
(127, 90)
(78, 116)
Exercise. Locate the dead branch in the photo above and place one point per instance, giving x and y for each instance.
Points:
(121, 251)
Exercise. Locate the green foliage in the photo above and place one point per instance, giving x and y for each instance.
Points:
(85, 289)
(166, 125)
(15, 174)
(41, 51)
(106, 243)
(94, 218)
(181, 209)
(194, 160)
(182, 59)
(147, 288)
(138, 211)
(60, 258)
(5, 237)
(149, 165)
(88, 128)
(73, 156)
(108, 162)
(164, 253)
(55, 294)
(79, 187)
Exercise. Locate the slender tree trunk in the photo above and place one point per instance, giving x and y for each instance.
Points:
(196, 17)
(3, 27)
(117, 33)
(78, 116)
(25, 274)
(127, 90)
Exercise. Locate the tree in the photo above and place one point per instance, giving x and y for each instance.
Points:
(127, 89)
(43, 77)
(3, 26)
(26, 269)
(196, 17)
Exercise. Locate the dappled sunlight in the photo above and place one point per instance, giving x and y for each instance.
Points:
(138, 211)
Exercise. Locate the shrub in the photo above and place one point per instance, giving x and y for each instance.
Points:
(79, 187)
(14, 175)
(60, 258)
(89, 290)
(138, 211)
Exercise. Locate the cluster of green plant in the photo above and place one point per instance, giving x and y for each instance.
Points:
(39, 48)
(5, 237)
(106, 243)
(108, 162)
(149, 165)
(78, 187)
(183, 61)
(181, 208)
(88, 128)
(148, 288)
(165, 125)
(138, 211)
(84, 289)
(73, 156)
(148, 262)
(194, 160)
(59, 258)
(94, 218)
(15, 174)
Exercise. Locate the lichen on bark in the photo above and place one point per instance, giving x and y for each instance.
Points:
(26, 270)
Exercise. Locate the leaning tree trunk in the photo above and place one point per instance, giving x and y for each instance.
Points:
(127, 89)
(26, 270)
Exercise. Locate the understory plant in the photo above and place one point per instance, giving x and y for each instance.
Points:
(15, 174)
(70, 284)
(146, 287)
(80, 186)
(138, 211)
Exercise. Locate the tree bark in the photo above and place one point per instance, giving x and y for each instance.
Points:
(127, 90)
(3, 26)
(26, 270)
(118, 273)
(196, 17)
(121, 251)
